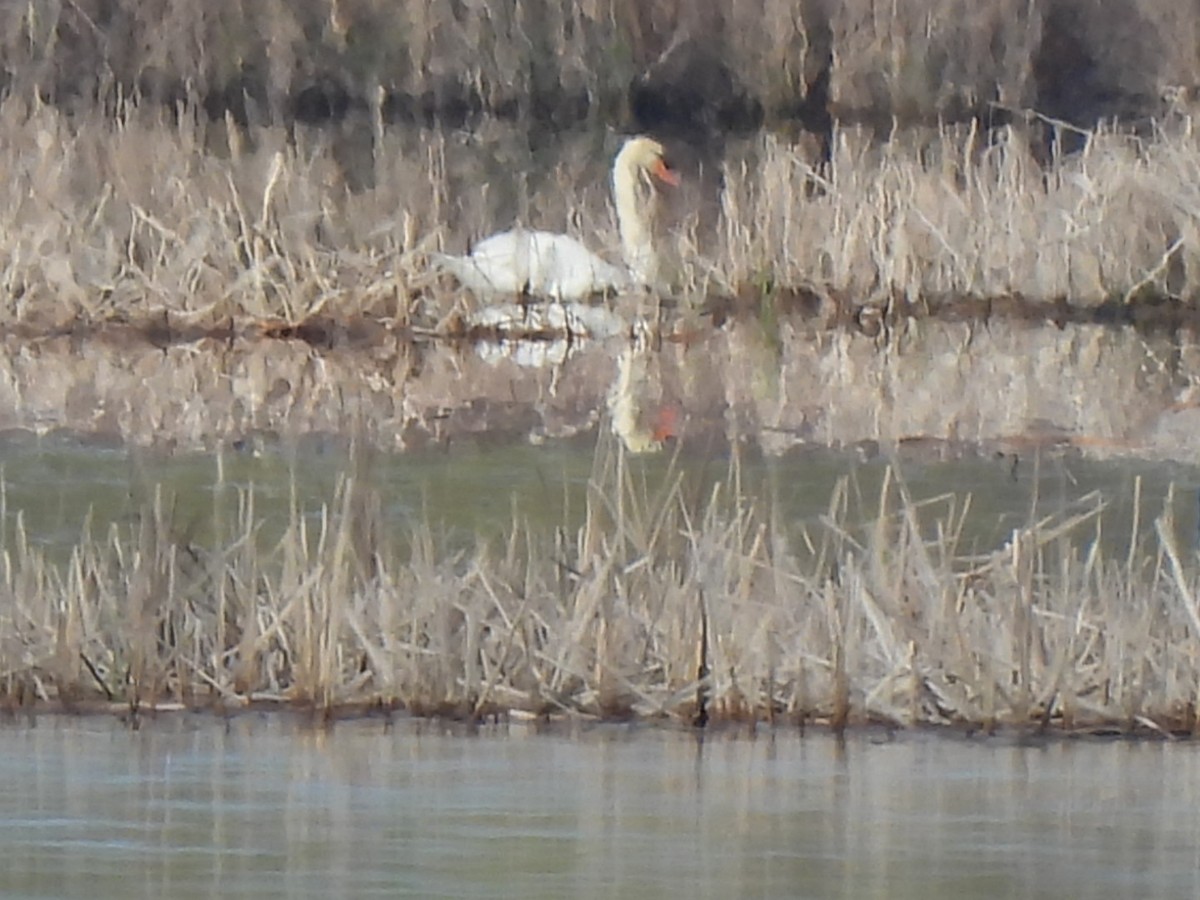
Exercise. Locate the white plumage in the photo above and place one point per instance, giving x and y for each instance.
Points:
(546, 264)
(536, 262)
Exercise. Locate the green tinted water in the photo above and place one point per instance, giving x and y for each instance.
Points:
(53, 485)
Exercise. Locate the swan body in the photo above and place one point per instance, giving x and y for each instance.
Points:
(552, 265)
(535, 262)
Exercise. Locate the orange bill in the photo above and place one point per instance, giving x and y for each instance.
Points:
(665, 173)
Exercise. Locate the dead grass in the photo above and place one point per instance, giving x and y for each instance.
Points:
(664, 604)
(547, 56)
(957, 211)
(145, 215)
(138, 216)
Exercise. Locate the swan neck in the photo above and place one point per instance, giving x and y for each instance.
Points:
(633, 204)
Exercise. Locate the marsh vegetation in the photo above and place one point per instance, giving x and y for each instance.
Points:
(257, 160)
(669, 601)
(227, 176)
(136, 217)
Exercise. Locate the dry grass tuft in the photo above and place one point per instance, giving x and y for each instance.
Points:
(957, 211)
(664, 604)
(144, 215)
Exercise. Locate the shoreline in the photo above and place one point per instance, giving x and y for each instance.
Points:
(740, 726)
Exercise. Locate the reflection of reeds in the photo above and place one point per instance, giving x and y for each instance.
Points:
(206, 221)
(666, 603)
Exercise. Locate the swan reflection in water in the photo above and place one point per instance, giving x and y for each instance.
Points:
(638, 413)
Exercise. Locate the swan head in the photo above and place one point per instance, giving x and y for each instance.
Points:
(643, 154)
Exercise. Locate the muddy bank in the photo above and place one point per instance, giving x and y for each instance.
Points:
(924, 385)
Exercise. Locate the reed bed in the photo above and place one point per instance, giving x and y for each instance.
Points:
(144, 215)
(666, 604)
(137, 217)
(960, 211)
(549, 57)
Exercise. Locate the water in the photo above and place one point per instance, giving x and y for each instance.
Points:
(52, 484)
(187, 807)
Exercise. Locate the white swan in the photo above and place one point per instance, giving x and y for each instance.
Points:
(553, 265)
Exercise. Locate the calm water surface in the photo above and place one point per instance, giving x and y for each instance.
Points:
(53, 483)
(187, 807)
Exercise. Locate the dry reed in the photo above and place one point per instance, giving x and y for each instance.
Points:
(664, 604)
(141, 216)
(548, 56)
(961, 212)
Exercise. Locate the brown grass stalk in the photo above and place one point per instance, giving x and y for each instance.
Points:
(136, 216)
(676, 608)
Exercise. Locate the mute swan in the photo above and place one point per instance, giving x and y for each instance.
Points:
(554, 265)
